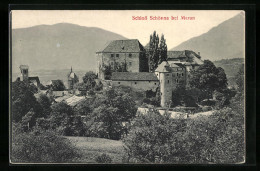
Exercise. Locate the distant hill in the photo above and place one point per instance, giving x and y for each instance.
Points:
(224, 41)
(231, 67)
(59, 46)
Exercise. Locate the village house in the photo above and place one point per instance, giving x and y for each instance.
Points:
(25, 76)
(121, 55)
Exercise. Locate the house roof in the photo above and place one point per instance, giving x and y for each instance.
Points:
(24, 67)
(123, 46)
(34, 79)
(56, 81)
(164, 67)
(133, 76)
(182, 54)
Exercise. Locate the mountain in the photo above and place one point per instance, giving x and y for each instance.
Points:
(224, 41)
(58, 46)
(231, 68)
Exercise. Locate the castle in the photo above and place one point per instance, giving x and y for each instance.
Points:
(128, 66)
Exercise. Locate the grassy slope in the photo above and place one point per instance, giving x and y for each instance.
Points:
(93, 147)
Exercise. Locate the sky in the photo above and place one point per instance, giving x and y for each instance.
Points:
(121, 21)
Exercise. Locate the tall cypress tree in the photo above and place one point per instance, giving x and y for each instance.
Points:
(153, 53)
(162, 50)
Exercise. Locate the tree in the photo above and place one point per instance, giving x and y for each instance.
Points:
(111, 109)
(157, 51)
(208, 78)
(40, 146)
(58, 85)
(89, 80)
(45, 103)
(240, 79)
(23, 100)
(162, 50)
(60, 115)
(153, 53)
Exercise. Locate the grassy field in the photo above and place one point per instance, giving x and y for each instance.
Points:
(90, 148)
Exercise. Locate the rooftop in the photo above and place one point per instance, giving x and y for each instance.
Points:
(123, 46)
(182, 54)
(133, 76)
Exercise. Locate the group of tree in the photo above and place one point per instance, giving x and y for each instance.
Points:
(218, 138)
(89, 83)
(156, 51)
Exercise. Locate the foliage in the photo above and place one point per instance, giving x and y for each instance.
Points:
(240, 79)
(45, 103)
(180, 96)
(218, 138)
(89, 80)
(152, 52)
(57, 85)
(84, 108)
(208, 78)
(40, 146)
(162, 50)
(104, 158)
(111, 109)
(153, 135)
(42, 87)
(23, 100)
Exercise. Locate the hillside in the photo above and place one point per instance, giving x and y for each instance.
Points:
(224, 41)
(231, 67)
(58, 46)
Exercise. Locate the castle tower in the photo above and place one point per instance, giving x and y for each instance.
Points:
(165, 76)
(24, 72)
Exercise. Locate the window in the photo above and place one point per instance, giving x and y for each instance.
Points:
(112, 55)
(167, 74)
(168, 81)
(118, 82)
(177, 74)
(130, 63)
(154, 83)
(177, 80)
(130, 55)
(135, 82)
(117, 55)
(161, 93)
(182, 74)
(149, 81)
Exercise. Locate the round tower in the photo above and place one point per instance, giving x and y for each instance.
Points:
(166, 86)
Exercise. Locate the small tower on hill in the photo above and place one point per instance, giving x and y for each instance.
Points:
(72, 79)
(24, 72)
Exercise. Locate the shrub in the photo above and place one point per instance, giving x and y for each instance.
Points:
(40, 146)
(104, 158)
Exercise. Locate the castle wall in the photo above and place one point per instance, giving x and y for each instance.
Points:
(140, 85)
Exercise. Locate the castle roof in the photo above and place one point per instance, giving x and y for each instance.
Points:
(123, 46)
(133, 76)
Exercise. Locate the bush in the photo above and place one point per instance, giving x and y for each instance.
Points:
(40, 146)
(104, 158)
